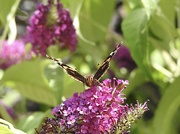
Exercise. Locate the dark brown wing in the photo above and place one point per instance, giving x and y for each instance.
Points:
(105, 65)
(70, 71)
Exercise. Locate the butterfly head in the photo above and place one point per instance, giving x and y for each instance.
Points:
(90, 81)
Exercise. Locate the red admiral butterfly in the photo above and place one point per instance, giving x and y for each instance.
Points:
(89, 80)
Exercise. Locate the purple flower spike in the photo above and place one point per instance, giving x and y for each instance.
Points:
(49, 25)
(131, 115)
(97, 110)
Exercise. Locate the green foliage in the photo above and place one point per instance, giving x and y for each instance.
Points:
(8, 10)
(137, 40)
(5, 115)
(168, 106)
(8, 128)
(151, 35)
(28, 79)
(32, 121)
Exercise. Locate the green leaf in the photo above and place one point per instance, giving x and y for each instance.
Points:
(62, 84)
(148, 28)
(55, 77)
(165, 33)
(136, 79)
(96, 12)
(8, 128)
(168, 105)
(72, 86)
(29, 80)
(5, 130)
(150, 7)
(4, 114)
(72, 6)
(94, 19)
(169, 11)
(28, 124)
(136, 34)
(6, 8)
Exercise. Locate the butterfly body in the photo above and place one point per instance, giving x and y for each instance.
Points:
(91, 81)
(88, 80)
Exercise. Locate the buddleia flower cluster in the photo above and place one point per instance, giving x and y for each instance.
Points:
(11, 53)
(98, 110)
(51, 24)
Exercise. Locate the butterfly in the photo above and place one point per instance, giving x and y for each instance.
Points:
(89, 80)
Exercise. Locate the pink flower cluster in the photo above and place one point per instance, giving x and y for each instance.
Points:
(49, 25)
(95, 110)
(11, 53)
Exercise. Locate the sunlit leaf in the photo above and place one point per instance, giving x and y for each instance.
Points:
(167, 107)
(31, 122)
(94, 19)
(62, 84)
(136, 79)
(135, 29)
(8, 128)
(5, 11)
(29, 80)
(5, 130)
(165, 33)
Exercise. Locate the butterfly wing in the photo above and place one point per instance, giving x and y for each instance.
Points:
(105, 65)
(70, 71)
